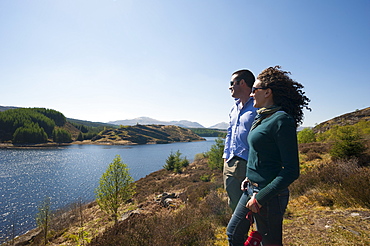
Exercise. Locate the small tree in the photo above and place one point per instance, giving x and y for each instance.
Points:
(175, 163)
(43, 217)
(215, 160)
(80, 137)
(115, 187)
(348, 143)
(170, 162)
(306, 136)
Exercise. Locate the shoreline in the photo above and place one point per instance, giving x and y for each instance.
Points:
(28, 236)
(85, 142)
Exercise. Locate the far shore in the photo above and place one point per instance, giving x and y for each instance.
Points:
(32, 146)
(85, 142)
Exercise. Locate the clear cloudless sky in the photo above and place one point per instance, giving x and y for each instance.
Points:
(106, 60)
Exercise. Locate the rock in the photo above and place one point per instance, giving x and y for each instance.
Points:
(129, 214)
(26, 238)
(166, 200)
(354, 232)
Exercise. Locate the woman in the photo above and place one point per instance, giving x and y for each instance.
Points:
(273, 157)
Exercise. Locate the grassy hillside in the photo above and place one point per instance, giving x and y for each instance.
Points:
(146, 134)
(345, 119)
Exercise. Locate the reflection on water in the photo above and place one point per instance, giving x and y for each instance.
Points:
(69, 174)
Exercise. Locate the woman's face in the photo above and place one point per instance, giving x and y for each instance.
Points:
(261, 98)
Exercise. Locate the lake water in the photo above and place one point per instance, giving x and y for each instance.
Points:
(69, 174)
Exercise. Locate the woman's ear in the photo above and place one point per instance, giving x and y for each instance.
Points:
(268, 92)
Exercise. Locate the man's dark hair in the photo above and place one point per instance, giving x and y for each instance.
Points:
(246, 75)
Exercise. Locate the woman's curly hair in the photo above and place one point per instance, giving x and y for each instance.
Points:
(287, 93)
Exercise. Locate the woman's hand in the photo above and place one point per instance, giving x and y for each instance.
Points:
(253, 204)
(243, 186)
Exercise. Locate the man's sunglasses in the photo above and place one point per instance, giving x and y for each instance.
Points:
(232, 82)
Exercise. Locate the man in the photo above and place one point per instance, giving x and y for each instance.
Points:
(236, 147)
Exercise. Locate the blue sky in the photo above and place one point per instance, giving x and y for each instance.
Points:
(105, 60)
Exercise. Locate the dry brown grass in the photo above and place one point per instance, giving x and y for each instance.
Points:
(308, 223)
(316, 147)
(328, 207)
(330, 203)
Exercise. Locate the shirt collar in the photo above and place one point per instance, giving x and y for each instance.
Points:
(237, 101)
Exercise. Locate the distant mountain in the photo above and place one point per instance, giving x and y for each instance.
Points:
(150, 121)
(345, 119)
(300, 128)
(4, 108)
(222, 125)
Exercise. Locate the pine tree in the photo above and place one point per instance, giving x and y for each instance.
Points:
(348, 143)
(215, 160)
(175, 163)
(80, 137)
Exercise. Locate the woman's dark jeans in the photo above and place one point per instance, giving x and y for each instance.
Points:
(268, 221)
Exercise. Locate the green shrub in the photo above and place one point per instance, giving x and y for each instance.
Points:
(199, 156)
(215, 160)
(307, 135)
(364, 127)
(205, 177)
(175, 163)
(348, 143)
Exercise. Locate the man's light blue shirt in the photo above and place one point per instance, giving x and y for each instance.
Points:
(240, 123)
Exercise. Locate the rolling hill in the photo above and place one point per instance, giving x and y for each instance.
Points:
(345, 119)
